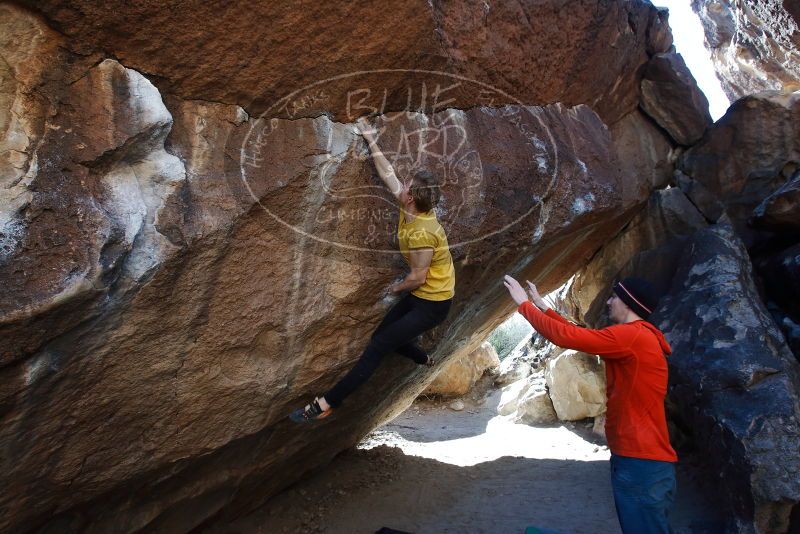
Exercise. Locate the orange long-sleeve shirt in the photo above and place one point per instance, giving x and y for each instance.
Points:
(636, 379)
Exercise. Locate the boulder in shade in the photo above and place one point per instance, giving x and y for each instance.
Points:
(733, 380)
(780, 211)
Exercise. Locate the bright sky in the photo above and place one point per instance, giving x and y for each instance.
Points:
(688, 35)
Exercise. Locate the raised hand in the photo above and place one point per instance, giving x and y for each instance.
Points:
(366, 129)
(382, 165)
(515, 290)
(536, 297)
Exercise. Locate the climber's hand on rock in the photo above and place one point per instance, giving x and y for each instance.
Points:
(537, 299)
(366, 129)
(515, 290)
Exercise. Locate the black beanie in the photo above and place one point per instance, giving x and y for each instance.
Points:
(638, 294)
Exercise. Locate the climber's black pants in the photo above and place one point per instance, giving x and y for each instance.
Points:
(407, 319)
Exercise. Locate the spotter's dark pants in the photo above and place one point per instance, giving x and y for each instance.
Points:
(644, 491)
(406, 321)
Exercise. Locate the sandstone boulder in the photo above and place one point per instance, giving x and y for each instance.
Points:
(577, 385)
(671, 97)
(511, 393)
(527, 401)
(227, 319)
(534, 406)
(458, 376)
(734, 381)
(189, 254)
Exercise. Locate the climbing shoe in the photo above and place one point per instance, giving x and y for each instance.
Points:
(311, 412)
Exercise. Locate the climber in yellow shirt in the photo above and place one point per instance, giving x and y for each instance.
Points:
(430, 283)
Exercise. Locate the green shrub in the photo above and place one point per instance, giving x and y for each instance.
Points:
(510, 332)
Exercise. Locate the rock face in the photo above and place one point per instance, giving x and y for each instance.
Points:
(754, 44)
(704, 200)
(668, 219)
(248, 56)
(748, 154)
(458, 376)
(577, 385)
(187, 255)
(780, 275)
(735, 382)
(643, 150)
(781, 210)
(671, 97)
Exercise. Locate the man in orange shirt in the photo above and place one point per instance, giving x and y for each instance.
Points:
(635, 353)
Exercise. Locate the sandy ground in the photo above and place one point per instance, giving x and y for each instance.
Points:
(435, 470)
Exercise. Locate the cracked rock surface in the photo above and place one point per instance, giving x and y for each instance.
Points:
(742, 404)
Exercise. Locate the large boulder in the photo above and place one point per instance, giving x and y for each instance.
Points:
(527, 401)
(747, 154)
(528, 356)
(246, 53)
(577, 385)
(754, 44)
(182, 251)
(671, 97)
(735, 384)
(643, 150)
(509, 396)
(534, 405)
(703, 199)
(666, 221)
(571, 387)
(459, 375)
(512, 369)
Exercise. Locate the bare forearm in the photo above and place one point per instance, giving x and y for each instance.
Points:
(541, 304)
(385, 169)
(411, 282)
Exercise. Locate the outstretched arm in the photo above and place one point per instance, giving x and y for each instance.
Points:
(560, 332)
(385, 169)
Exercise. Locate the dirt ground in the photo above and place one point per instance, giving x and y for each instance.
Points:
(435, 470)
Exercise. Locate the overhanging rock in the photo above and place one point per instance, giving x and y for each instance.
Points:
(186, 269)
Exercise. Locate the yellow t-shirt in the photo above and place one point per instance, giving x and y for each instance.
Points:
(426, 232)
